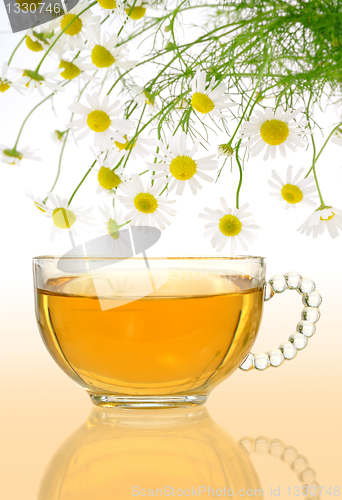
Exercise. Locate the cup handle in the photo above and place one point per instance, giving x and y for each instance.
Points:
(305, 329)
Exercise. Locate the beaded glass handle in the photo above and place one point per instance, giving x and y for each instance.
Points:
(305, 328)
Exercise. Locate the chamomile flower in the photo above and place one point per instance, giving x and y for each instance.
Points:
(209, 100)
(225, 150)
(337, 137)
(75, 36)
(58, 136)
(112, 7)
(139, 9)
(109, 176)
(143, 95)
(229, 226)
(100, 119)
(146, 206)
(113, 221)
(105, 53)
(179, 164)
(294, 191)
(14, 157)
(33, 80)
(64, 216)
(327, 217)
(5, 83)
(73, 67)
(139, 148)
(273, 130)
(38, 39)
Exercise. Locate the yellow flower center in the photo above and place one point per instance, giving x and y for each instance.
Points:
(3, 86)
(107, 178)
(70, 70)
(329, 218)
(136, 12)
(63, 218)
(274, 132)
(108, 4)
(98, 121)
(183, 168)
(125, 145)
(230, 225)
(34, 46)
(74, 28)
(101, 57)
(113, 229)
(202, 103)
(145, 203)
(291, 193)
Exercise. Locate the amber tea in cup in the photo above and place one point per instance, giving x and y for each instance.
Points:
(162, 334)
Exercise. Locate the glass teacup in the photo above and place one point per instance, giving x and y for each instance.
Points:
(160, 332)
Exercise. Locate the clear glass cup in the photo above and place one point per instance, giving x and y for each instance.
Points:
(157, 332)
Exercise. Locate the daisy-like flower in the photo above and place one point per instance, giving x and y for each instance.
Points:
(105, 53)
(73, 67)
(327, 217)
(112, 6)
(64, 216)
(146, 206)
(209, 100)
(337, 137)
(113, 221)
(294, 191)
(5, 83)
(109, 175)
(179, 163)
(229, 226)
(58, 136)
(139, 148)
(273, 130)
(143, 95)
(38, 39)
(33, 80)
(100, 119)
(225, 150)
(139, 9)
(14, 157)
(77, 33)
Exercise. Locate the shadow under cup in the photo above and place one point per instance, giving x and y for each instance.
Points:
(144, 333)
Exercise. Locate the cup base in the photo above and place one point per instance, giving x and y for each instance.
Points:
(148, 401)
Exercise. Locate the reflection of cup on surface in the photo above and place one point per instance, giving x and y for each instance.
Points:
(114, 452)
(159, 335)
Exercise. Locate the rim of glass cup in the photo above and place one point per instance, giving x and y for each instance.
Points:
(177, 257)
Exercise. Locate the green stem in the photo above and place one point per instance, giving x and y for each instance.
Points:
(325, 143)
(249, 101)
(240, 170)
(27, 117)
(131, 142)
(124, 24)
(60, 160)
(61, 33)
(15, 50)
(80, 184)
